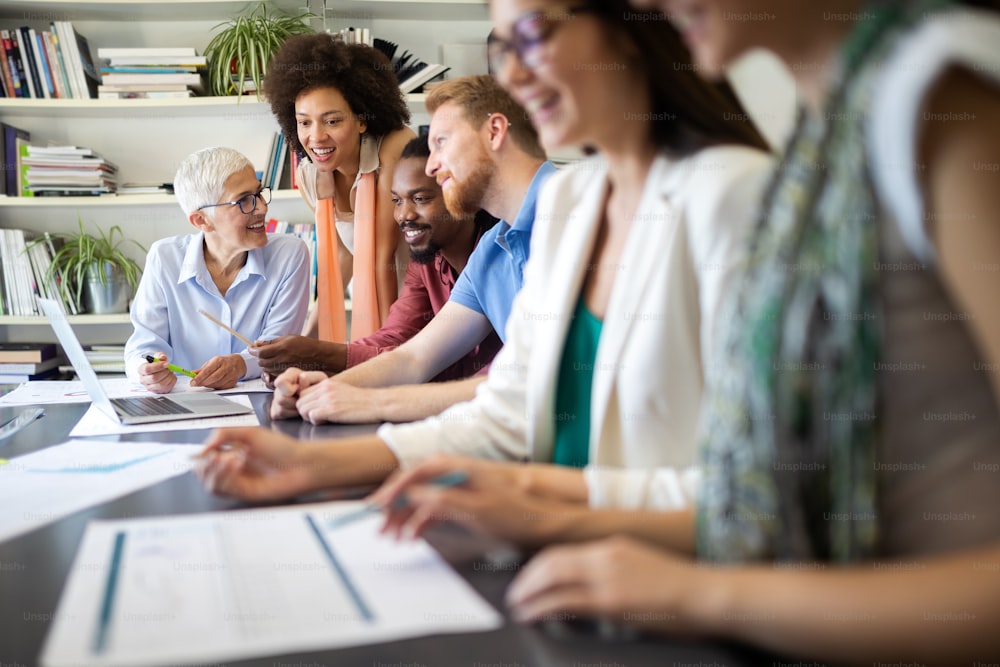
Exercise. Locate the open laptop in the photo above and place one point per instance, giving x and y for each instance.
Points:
(134, 409)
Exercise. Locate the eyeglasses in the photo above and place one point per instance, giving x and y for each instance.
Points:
(247, 203)
(528, 35)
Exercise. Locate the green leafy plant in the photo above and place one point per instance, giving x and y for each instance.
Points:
(83, 256)
(245, 45)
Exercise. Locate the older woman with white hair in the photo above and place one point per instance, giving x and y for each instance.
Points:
(256, 284)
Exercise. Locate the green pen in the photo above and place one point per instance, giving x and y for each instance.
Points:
(171, 367)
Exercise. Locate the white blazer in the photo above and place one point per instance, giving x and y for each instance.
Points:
(681, 254)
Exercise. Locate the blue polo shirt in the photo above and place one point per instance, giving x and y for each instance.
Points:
(495, 270)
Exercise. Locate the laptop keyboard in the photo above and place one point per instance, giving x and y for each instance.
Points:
(149, 406)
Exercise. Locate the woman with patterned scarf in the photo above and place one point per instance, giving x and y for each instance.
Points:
(850, 434)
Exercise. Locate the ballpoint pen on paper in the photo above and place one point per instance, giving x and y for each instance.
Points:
(249, 343)
(170, 367)
(442, 481)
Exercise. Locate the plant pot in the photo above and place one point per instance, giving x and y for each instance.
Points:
(107, 297)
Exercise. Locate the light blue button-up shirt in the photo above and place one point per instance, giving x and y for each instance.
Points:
(268, 298)
(495, 271)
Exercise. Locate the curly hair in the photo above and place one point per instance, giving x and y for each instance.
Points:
(362, 74)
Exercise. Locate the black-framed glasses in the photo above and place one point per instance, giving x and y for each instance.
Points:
(528, 35)
(247, 203)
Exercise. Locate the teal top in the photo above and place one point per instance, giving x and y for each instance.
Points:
(576, 379)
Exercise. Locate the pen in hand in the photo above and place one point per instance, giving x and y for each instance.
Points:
(450, 479)
(170, 367)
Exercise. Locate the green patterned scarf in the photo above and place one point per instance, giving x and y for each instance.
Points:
(789, 429)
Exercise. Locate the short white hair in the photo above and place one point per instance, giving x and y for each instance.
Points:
(201, 176)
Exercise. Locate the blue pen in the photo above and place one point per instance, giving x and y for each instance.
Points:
(456, 478)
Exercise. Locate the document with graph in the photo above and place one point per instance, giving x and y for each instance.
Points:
(231, 585)
(41, 487)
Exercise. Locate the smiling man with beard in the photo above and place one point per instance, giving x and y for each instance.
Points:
(485, 155)
(440, 245)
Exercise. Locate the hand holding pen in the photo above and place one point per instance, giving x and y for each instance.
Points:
(156, 375)
(171, 367)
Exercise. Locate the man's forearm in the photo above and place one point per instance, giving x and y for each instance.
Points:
(407, 403)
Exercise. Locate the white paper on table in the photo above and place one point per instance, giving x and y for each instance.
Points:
(95, 422)
(41, 487)
(230, 585)
(41, 392)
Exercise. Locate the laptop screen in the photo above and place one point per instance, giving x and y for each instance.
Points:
(74, 350)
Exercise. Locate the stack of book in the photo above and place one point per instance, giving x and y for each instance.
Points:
(128, 73)
(21, 362)
(54, 63)
(102, 358)
(65, 170)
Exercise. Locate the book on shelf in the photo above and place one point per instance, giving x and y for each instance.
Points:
(275, 167)
(102, 358)
(146, 51)
(24, 63)
(84, 77)
(27, 353)
(48, 43)
(30, 38)
(411, 72)
(12, 83)
(65, 170)
(145, 94)
(145, 189)
(24, 272)
(151, 61)
(17, 378)
(193, 80)
(422, 76)
(30, 367)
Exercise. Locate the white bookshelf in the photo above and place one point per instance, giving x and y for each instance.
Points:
(148, 138)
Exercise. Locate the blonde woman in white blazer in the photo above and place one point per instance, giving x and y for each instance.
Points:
(644, 237)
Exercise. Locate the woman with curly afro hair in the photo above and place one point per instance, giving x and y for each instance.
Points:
(339, 105)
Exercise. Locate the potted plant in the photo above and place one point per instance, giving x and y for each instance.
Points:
(245, 45)
(93, 269)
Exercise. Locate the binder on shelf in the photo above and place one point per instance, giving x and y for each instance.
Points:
(12, 136)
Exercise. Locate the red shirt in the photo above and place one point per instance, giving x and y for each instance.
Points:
(426, 289)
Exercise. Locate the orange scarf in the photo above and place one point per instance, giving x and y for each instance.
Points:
(330, 287)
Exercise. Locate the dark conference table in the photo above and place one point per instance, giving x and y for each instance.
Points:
(34, 566)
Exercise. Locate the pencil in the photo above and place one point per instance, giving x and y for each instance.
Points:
(231, 330)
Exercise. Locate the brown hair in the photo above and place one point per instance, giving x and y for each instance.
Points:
(363, 75)
(479, 96)
(688, 113)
